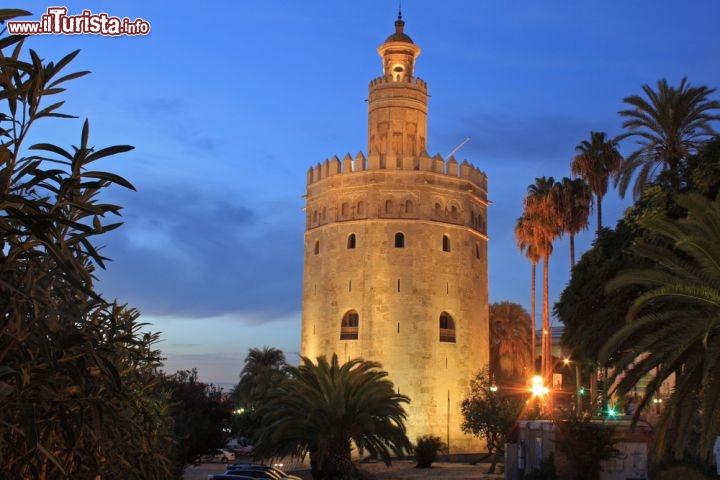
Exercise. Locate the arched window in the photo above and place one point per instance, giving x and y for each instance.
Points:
(349, 326)
(351, 241)
(446, 243)
(315, 217)
(389, 206)
(454, 211)
(408, 206)
(399, 240)
(438, 210)
(361, 208)
(344, 209)
(477, 251)
(317, 247)
(447, 328)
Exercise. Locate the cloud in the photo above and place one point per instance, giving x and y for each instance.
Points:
(549, 139)
(189, 253)
(175, 114)
(163, 105)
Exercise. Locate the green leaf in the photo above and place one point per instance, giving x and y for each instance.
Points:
(47, 110)
(110, 177)
(70, 76)
(9, 13)
(48, 147)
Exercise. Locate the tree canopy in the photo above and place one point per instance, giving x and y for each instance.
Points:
(80, 395)
(490, 413)
(673, 326)
(324, 406)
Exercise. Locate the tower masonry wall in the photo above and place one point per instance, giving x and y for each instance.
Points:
(353, 263)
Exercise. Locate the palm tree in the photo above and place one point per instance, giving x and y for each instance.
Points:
(262, 369)
(510, 334)
(669, 125)
(674, 326)
(527, 239)
(322, 407)
(597, 161)
(542, 208)
(575, 200)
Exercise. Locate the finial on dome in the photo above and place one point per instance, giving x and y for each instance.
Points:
(400, 10)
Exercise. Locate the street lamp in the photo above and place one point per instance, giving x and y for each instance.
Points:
(538, 389)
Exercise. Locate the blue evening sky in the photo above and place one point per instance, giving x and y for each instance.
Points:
(229, 103)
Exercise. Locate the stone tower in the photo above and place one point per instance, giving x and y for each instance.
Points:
(396, 255)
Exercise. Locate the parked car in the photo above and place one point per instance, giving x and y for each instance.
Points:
(248, 472)
(217, 455)
(225, 476)
(258, 470)
(241, 447)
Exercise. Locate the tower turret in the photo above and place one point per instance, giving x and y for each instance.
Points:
(397, 104)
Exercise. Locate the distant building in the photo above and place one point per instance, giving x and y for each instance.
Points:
(396, 258)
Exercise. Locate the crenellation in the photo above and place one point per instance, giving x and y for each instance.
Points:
(347, 163)
(466, 170)
(406, 163)
(452, 167)
(438, 164)
(334, 167)
(360, 163)
(388, 81)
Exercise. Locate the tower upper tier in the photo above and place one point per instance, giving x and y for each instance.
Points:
(397, 104)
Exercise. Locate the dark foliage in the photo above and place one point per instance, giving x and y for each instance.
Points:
(427, 449)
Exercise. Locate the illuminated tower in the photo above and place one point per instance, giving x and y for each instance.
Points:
(396, 255)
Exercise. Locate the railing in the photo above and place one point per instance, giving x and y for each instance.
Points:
(349, 333)
(447, 335)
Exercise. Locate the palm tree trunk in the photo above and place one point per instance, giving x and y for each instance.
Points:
(546, 320)
(599, 212)
(532, 320)
(339, 463)
(572, 252)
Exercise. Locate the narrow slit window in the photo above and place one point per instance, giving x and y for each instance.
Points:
(351, 241)
(399, 240)
(317, 247)
(446, 243)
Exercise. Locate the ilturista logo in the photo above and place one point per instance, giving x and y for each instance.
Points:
(57, 22)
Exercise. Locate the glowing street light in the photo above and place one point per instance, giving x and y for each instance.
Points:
(538, 389)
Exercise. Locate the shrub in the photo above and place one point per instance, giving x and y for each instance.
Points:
(427, 449)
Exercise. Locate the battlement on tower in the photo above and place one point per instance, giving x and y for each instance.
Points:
(423, 163)
(389, 81)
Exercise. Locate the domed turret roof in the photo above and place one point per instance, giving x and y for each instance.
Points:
(399, 35)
